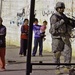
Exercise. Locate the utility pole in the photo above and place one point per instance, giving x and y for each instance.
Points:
(0, 7)
(28, 65)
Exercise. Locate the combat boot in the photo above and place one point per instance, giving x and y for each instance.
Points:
(57, 72)
(66, 70)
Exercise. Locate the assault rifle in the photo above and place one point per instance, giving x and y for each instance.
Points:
(72, 22)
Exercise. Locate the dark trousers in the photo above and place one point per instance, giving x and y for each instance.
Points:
(38, 41)
(23, 47)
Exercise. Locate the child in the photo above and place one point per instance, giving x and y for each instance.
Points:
(2, 45)
(37, 39)
(42, 29)
(24, 37)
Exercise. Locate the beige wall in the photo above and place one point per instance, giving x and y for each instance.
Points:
(44, 9)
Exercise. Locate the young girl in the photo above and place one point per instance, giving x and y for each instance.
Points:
(42, 29)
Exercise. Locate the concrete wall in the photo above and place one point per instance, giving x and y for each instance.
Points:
(43, 10)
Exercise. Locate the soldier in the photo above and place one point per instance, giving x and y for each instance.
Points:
(37, 38)
(60, 29)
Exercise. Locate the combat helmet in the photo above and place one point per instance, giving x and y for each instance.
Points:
(59, 5)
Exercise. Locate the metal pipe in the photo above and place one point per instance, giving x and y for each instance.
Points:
(53, 64)
(28, 65)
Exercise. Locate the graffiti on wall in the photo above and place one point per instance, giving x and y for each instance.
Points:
(24, 14)
(47, 12)
(18, 19)
(20, 16)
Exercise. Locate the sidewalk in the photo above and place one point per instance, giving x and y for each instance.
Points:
(16, 65)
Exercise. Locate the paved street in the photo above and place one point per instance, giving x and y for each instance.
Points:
(16, 65)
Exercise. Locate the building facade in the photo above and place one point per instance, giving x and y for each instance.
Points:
(14, 12)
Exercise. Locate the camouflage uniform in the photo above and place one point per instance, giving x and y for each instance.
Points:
(60, 30)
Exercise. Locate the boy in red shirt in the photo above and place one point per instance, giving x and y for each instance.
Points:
(24, 38)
